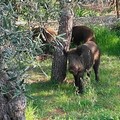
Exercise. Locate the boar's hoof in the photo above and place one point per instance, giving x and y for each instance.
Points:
(78, 92)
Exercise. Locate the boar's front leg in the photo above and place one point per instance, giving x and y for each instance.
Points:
(88, 74)
(76, 80)
(79, 83)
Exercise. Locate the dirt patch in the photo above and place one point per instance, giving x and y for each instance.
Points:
(70, 81)
(36, 79)
(57, 111)
(43, 57)
(53, 113)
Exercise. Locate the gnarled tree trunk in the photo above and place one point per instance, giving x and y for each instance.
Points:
(59, 64)
(10, 108)
(117, 8)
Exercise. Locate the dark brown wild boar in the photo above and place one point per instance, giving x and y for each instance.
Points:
(81, 59)
(82, 34)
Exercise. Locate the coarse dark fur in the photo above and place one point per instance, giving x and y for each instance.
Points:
(81, 59)
(82, 34)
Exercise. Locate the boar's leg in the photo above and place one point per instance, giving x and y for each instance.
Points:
(76, 80)
(79, 83)
(96, 67)
(81, 86)
(88, 74)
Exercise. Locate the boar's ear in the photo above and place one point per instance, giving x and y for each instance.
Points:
(79, 50)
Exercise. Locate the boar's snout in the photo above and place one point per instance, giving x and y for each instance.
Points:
(73, 69)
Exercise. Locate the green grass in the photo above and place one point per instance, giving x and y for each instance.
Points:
(108, 41)
(101, 101)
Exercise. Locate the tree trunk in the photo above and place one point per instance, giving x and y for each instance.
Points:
(117, 8)
(10, 108)
(59, 64)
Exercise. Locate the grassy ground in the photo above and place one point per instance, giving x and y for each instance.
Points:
(101, 101)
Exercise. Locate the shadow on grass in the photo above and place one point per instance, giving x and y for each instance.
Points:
(50, 87)
(42, 86)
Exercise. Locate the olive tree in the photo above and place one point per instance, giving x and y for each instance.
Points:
(59, 63)
(17, 53)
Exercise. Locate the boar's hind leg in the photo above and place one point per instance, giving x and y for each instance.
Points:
(96, 67)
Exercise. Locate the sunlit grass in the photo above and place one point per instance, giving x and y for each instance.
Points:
(30, 111)
(101, 101)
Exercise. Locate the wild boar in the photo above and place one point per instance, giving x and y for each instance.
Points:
(82, 34)
(81, 59)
